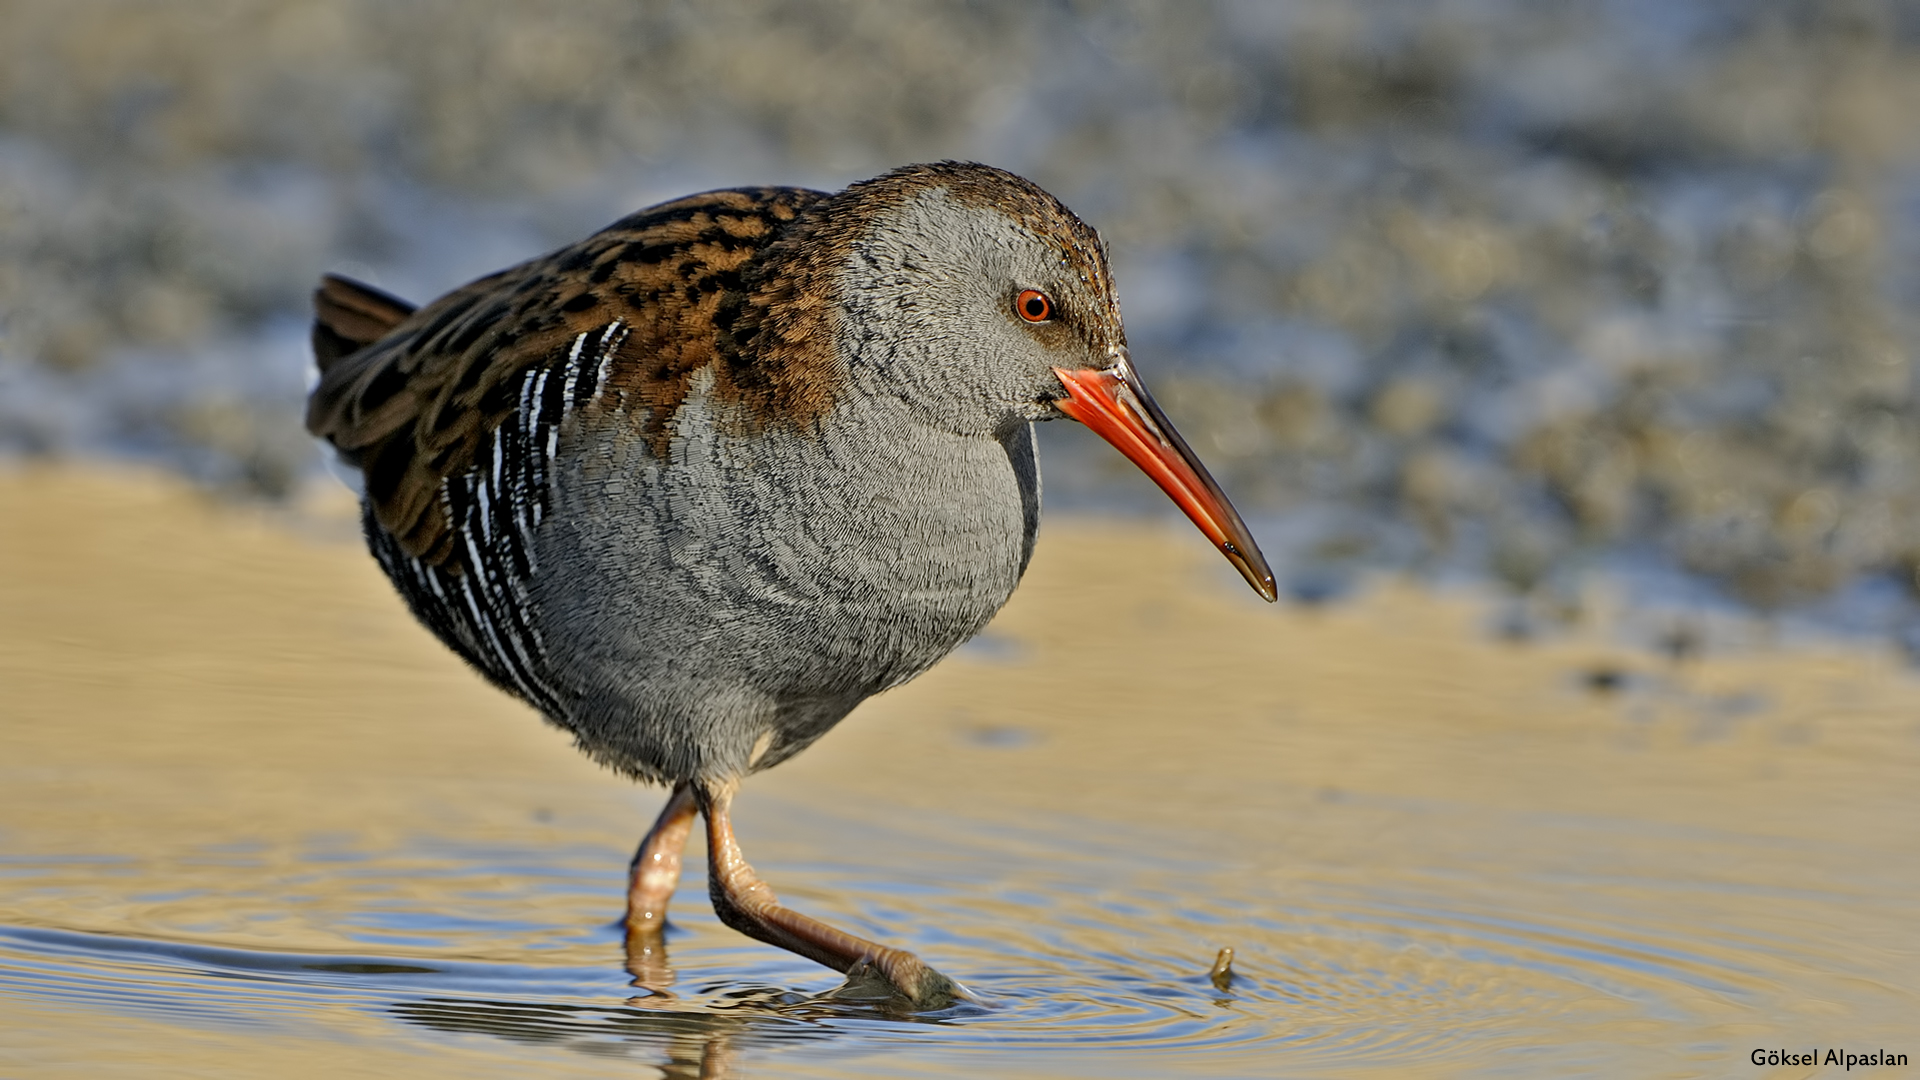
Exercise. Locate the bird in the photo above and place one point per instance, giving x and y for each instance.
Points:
(696, 486)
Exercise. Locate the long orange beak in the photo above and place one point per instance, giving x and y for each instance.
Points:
(1118, 408)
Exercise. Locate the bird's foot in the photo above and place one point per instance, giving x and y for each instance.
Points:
(874, 972)
(896, 975)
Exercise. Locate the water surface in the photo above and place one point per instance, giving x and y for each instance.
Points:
(254, 822)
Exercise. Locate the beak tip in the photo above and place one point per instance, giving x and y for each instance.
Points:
(1253, 568)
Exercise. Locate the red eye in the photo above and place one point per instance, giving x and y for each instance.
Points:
(1033, 305)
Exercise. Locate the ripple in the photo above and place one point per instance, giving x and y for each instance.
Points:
(1073, 947)
(1347, 976)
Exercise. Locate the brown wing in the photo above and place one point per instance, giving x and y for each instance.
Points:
(349, 316)
(634, 310)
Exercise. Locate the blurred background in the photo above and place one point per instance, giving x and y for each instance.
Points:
(1591, 324)
(1484, 289)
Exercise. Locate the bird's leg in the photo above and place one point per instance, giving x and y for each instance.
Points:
(655, 870)
(650, 883)
(745, 903)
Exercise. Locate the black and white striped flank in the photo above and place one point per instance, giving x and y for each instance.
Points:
(477, 602)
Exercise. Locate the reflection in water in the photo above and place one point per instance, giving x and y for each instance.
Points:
(688, 1045)
(647, 961)
(701, 1034)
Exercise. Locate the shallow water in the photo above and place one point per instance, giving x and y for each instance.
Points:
(253, 822)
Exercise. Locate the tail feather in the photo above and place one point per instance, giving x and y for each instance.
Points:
(349, 316)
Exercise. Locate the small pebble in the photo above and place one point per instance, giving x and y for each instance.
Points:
(1222, 973)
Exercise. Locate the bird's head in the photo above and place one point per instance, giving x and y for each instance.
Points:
(984, 303)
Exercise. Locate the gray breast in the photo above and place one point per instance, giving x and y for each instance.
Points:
(718, 611)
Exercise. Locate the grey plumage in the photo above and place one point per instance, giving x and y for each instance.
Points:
(700, 606)
(698, 485)
(803, 573)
